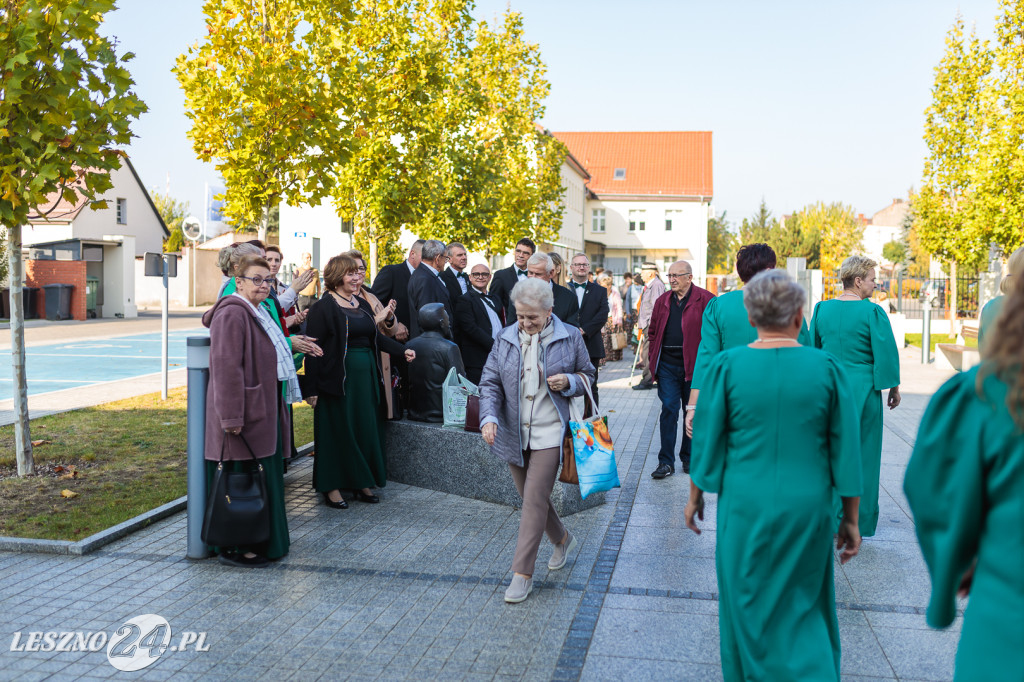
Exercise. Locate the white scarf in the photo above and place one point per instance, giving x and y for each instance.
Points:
(285, 364)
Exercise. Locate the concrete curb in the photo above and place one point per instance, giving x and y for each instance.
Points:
(105, 537)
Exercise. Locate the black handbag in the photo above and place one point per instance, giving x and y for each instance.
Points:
(237, 509)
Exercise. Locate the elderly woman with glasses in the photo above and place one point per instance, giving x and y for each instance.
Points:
(774, 449)
(857, 332)
(534, 369)
(252, 379)
(346, 388)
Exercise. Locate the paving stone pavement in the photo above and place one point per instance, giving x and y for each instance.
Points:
(412, 588)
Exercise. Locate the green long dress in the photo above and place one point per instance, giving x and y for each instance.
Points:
(774, 449)
(725, 325)
(859, 335)
(989, 315)
(965, 485)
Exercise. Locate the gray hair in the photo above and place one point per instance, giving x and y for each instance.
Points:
(432, 248)
(453, 245)
(239, 252)
(224, 259)
(533, 293)
(773, 299)
(854, 267)
(539, 258)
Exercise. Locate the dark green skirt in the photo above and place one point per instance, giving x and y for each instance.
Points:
(349, 432)
(273, 467)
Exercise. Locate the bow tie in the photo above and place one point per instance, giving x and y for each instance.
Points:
(521, 272)
(463, 275)
(577, 285)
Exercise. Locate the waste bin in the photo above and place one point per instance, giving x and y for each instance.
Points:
(29, 302)
(58, 301)
(92, 288)
(5, 303)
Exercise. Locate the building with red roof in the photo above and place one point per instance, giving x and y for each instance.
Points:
(648, 197)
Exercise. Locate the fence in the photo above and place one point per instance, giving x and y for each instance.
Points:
(906, 295)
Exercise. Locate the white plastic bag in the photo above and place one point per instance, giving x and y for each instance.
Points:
(455, 392)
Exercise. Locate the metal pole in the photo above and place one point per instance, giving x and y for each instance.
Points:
(163, 332)
(192, 267)
(198, 363)
(899, 292)
(926, 333)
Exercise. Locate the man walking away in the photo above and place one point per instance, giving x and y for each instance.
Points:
(392, 283)
(593, 313)
(652, 291)
(426, 285)
(455, 276)
(480, 318)
(674, 339)
(506, 278)
(311, 293)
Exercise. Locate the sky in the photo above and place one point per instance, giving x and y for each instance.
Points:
(807, 100)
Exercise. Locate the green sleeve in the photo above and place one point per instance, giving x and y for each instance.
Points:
(944, 486)
(804, 339)
(989, 314)
(711, 428)
(844, 435)
(710, 343)
(229, 288)
(885, 355)
(269, 306)
(814, 337)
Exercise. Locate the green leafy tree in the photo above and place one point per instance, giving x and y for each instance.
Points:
(174, 213)
(66, 105)
(721, 246)
(263, 104)
(895, 252)
(761, 228)
(838, 228)
(796, 238)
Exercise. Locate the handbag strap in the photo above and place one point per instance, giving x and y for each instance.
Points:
(224, 443)
(590, 405)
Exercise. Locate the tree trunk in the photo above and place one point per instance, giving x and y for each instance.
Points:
(261, 230)
(373, 259)
(22, 436)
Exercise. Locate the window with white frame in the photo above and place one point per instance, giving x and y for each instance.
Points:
(637, 220)
(620, 174)
(122, 211)
(597, 220)
(668, 261)
(596, 260)
(672, 219)
(638, 262)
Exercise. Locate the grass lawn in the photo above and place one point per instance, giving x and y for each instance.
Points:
(915, 340)
(121, 459)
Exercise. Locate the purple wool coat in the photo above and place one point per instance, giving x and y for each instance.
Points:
(566, 353)
(243, 389)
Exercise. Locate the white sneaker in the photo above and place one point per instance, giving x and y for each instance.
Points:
(561, 553)
(519, 590)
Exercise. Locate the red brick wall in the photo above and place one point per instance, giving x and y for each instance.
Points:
(39, 273)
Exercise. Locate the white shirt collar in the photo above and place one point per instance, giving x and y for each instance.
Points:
(431, 268)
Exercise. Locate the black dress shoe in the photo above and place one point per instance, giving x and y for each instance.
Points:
(662, 471)
(644, 386)
(241, 561)
(342, 504)
(686, 465)
(360, 496)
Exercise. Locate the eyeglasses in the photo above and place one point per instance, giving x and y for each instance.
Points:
(259, 281)
(361, 271)
(581, 265)
(685, 274)
(481, 275)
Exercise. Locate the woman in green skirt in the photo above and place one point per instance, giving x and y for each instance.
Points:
(774, 450)
(346, 389)
(857, 332)
(965, 486)
(252, 378)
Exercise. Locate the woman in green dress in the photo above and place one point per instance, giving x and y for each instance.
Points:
(965, 486)
(774, 450)
(857, 332)
(725, 323)
(346, 388)
(990, 313)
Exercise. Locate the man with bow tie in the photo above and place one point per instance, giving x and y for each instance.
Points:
(455, 276)
(593, 309)
(480, 318)
(506, 278)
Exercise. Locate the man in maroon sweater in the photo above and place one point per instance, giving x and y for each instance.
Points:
(675, 337)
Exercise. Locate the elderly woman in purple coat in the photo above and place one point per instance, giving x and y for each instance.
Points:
(535, 367)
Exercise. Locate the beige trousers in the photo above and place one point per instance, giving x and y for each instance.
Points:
(534, 482)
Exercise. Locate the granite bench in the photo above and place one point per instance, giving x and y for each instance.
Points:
(460, 463)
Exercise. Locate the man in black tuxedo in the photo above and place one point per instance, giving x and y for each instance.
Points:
(566, 306)
(426, 286)
(480, 318)
(392, 282)
(506, 278)
(455, 276)
(593, 300)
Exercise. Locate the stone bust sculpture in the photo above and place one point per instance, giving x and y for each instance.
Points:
(435, 356)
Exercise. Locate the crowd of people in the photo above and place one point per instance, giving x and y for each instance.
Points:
(782, 419)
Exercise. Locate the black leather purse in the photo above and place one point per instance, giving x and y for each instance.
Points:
(237, 509)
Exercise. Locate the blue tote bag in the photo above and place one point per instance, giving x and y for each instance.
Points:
(592, 448)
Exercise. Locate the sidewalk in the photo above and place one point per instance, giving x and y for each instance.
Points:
(412, 588)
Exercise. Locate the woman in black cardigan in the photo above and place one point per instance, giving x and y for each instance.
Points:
(345, 388)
